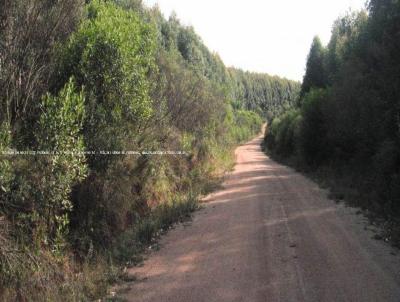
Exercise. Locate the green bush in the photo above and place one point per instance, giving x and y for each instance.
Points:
(110, 56)
(245, 124)
(59, 130)
(42, 185)
(33, 250)
(282, 137)
(314, 145)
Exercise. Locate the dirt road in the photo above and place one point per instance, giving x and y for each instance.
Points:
(269, 235)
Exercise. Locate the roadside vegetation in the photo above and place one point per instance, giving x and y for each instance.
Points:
(345, 129)
(78, 78)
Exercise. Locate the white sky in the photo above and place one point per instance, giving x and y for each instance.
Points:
(260, 35)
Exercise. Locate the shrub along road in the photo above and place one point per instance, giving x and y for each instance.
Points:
(269, 235)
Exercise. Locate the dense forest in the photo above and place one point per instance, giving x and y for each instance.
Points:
(346, 127)
(268, 96)
(82, 83)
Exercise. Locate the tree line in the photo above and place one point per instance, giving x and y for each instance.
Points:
(346, 126)
(81, 79)
(267, 95)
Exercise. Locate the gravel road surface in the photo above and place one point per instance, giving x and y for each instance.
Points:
(269, 234)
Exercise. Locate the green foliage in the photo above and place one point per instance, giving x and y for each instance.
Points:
(29, 33)
(345, 31)
(59, 131)
(283, 133)
(268, 96)
(41, 187)
(315, 69)
(134, 5)
(110, 56)
(262, 93)
(191, 101)
(40, 191)
(245, 125)
(313, 142)
(183, 41)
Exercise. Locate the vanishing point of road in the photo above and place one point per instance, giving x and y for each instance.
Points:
(270, 234)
